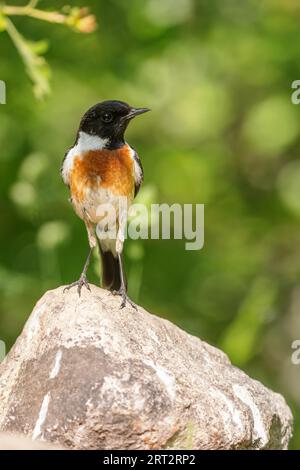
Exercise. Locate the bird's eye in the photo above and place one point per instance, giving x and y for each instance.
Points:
(107, 117)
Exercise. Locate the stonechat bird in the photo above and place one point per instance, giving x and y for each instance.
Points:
(99, 169)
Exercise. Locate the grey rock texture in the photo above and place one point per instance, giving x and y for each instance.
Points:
(88, 375)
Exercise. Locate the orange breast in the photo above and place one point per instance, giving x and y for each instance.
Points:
(111, 169)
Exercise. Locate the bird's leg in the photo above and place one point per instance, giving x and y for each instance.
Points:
(82, 281)
(123, 288)
(123, 209)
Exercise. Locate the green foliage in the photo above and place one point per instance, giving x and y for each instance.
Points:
(222, 131)
(2, 22)
(242, 334)
(36, 66)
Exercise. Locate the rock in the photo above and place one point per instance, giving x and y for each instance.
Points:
(88, 375)
(10, 441)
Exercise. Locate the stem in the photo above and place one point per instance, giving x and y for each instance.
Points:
(32, 62)
(16, 38)
(29, 10)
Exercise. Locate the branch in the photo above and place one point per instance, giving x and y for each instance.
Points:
(36, 66)
(50, 16)
(79, 19)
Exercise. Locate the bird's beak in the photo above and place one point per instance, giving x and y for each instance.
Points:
(136, 112)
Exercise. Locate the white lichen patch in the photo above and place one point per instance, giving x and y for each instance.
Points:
(229, 412)
(259, 431)
(167, 379)
(56, 366)
(42, 417)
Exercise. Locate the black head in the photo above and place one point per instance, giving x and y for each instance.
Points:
(109, 120)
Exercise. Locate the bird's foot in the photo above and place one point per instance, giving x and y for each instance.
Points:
(82, 281)
(125, 299)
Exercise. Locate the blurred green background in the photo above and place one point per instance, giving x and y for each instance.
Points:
(223, 131)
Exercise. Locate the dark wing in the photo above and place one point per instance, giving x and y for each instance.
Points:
(138, 173)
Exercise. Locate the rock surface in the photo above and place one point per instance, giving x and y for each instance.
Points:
(10, 441)
(88, 375)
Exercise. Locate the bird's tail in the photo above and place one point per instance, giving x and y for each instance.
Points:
(111, 276)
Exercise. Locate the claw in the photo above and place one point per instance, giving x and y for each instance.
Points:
(82, 281)
(126, 299)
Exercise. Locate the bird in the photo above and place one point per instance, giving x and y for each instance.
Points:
(100, 169)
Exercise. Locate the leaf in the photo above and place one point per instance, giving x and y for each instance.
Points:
(2, 23)
(39, 47)
(36, 66)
